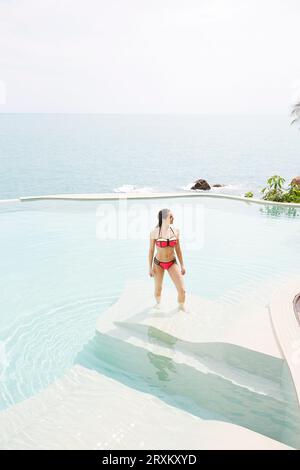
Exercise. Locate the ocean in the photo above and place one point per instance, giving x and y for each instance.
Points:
(94, 153)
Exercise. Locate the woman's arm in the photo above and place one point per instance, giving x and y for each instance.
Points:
(179, 254)
(151, 254)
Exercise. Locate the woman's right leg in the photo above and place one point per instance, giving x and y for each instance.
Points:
(158, 280)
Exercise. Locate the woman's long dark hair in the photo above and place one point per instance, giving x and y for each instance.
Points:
(163, 214)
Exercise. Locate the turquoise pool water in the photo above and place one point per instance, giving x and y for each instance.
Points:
(64, 262)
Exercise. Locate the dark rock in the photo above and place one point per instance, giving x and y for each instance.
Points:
(201, 184)
(218, 185)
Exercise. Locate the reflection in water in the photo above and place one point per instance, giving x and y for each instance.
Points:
(164, 365)
(202, 392)
(278, 211)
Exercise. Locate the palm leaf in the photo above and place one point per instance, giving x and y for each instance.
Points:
(295, 113)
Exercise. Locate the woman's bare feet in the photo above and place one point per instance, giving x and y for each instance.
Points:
(181, 308)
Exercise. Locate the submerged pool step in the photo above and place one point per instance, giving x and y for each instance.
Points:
(246, 324)
(255, 371)
(213, 337)
(86, 410)
(230, 351)
(191, 386)
(16, 418)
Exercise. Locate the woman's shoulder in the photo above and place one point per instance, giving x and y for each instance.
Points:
(154, 232)
(176, 231)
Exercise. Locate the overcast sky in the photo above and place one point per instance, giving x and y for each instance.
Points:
(156, 56)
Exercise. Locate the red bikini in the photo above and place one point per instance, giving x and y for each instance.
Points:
(163, 243)
(164, 265)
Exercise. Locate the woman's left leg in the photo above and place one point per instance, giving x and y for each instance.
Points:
(177, 278)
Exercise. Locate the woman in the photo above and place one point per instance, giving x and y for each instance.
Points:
(166, 240)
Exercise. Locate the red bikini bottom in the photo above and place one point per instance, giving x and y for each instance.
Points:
(163, 264)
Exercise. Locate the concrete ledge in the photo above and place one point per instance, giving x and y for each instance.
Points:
(9, 200)
(116, 196)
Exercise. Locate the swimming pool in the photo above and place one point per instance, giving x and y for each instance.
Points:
(63, 263)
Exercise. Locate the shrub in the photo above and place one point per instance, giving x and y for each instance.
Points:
(293, 194)
(274, 191)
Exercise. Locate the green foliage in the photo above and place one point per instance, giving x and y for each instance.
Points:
(293, 194)
(248, 194)
(274, 191)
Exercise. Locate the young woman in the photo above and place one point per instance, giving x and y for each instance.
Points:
(166, 241)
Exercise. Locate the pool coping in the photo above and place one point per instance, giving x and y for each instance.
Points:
(117, 196)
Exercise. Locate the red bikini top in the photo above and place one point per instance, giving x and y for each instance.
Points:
(164, 242)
